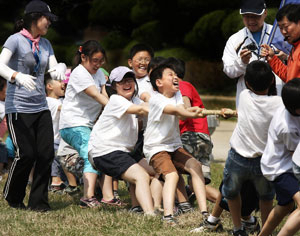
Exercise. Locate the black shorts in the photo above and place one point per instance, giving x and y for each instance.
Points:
(115, 163)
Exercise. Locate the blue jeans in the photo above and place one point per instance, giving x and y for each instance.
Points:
(78, 138)
(239, 169)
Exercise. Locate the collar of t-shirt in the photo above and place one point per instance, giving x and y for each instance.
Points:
(256, 36)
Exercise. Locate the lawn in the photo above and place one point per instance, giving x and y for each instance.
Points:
(67, 218)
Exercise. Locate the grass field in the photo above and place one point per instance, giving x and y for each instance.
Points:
(67, 218)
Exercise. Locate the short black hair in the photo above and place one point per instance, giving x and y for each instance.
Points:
(259, 76)
(155, 61)
(291, 95)
(179, 66)
(290, 11)
(139, 48)
(157, 73)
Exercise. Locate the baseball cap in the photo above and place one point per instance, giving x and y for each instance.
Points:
(38, 6)
(256, 7)
(119, 73)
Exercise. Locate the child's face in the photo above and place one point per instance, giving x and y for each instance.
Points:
(58, 88)
(169, 83)
(3, 93)
(94, 63)
(139, 63)
(126, 88)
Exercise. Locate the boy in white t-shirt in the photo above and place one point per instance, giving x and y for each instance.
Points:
(162, 144)
(248, 141)
(276, 162)
(55, 90)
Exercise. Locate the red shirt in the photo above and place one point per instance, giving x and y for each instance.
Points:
(194, 125)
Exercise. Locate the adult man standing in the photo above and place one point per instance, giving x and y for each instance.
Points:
(244, 46)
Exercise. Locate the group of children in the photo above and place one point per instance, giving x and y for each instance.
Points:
(146, 126)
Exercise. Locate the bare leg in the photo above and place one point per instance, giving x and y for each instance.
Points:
(106, 187)
(217, 210)
(235, 211)
(71, 178)
(265, 209)
(211, 193)
(169, 189)
(180, 191)
(89, 183)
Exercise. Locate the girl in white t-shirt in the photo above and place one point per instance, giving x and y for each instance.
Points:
(84, 99)
(115, 134)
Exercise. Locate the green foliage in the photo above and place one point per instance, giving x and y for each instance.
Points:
(271, 15)
(6, 29)
(206, 35)
(114, 40)
(65, 53)
(231, 24)
(150, 33)
(181, 53)
(143, 11)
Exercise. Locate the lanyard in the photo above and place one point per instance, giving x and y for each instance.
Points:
(36, 54)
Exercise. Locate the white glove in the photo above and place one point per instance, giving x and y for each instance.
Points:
(26, 80)
(58, 71)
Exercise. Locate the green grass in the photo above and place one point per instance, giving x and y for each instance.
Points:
(67, 218)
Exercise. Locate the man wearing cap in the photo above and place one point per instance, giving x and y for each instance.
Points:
(237, 53)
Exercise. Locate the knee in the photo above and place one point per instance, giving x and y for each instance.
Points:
(172, 176)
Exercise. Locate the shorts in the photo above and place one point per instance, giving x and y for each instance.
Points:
(167, 162)
(72, 163)
(199, 146)
(114, 164)
(239, 169)
(78, 138)
(296, 170)
(137, 153)
(286, 185)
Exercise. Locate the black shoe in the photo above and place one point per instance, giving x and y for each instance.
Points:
(239, 232)
(251, 227)
(20, 206)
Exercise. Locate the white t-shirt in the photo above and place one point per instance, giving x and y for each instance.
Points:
(145, 85)
(53, 105)
(283, 138)
(255, 113)
(162, 132)
(114, 130)
(2, 110)
(79, 109)
(296, 155)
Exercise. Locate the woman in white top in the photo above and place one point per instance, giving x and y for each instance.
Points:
(84, 99)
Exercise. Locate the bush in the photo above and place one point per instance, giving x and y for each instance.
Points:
(114, 40)
(181, 53)
(232, 24)
(143, 11)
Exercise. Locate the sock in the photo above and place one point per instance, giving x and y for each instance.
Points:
(251, 220)
(212, 219)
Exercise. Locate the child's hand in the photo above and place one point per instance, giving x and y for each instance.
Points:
(226, 113)
(267, 52)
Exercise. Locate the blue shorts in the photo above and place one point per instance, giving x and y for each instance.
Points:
(78, 138)
(286, 185)
(238, 170)
(296, 170)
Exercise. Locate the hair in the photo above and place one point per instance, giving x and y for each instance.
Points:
(290, 11)
(111, 87)
(88, 49)
(155, 61)
(47, 80)
(139, 48)
(179, 66)
(259, 76)
(3, 83)
(157, 73)
(27, 21)
(291, 95)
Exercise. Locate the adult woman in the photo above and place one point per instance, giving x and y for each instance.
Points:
(23, 62)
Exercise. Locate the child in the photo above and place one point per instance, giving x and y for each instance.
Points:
(85, 96)
(115, 134)
(276, 162)
(162, 145)
(248, 141)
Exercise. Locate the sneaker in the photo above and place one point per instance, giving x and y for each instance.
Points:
(89, 202)
(136, 209)
(71, 190)
(57, 188)
(239, 232)
(191, 195)
(251, 227)
(205, 215)
(182, 208)
(116, 194)
(208, 226)
(20, 205)
(113, 202)
(170, 220)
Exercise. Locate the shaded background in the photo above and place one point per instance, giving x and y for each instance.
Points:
(193, 30)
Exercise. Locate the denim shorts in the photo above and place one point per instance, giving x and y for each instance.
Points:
(296, 170)
(239, 169)
(78, 138)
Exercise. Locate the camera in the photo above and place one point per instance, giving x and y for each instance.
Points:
(251, 47)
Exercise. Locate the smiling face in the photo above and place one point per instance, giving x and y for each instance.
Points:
(139, 63)
(254, 22)
(168, 85)
(125, 87)
(93, 63)
(290, 30)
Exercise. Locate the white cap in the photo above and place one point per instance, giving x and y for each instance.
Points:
(119, 73)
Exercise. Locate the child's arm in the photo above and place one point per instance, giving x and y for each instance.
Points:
(93, 92)
(103, 91)
(145, 96)
(181, 112)
(142, 109)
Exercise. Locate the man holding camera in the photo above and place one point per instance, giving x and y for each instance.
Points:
(244, 46)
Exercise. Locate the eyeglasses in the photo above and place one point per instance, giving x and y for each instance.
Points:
(100, 61)
(143, 59)
(126, 80)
